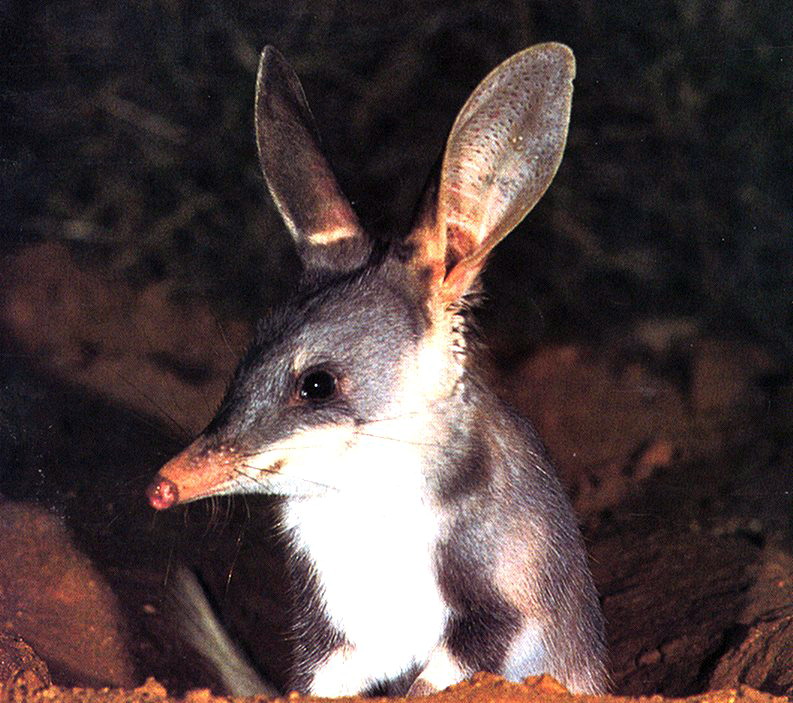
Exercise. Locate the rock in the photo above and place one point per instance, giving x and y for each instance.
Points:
(724, 374)
(669, 597)
(137, 348)
(762, 655)
(607, 429)
(482, 688)
(51, 595)
(20, 666)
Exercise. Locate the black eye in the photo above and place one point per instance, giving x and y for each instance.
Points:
(317, 385)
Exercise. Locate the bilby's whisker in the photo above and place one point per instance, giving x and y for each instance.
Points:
(402, 440)
(269, 470)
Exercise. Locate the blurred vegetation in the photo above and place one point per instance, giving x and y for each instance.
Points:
(127, 131)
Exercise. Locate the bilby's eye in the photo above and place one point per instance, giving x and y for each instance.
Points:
(316, 385)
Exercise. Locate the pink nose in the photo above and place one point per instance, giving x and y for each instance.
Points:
(162, 494)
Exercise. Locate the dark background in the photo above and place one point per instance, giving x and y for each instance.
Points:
(127, 132)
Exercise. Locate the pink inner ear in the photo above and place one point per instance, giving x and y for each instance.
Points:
(501, 155)
(460, 242)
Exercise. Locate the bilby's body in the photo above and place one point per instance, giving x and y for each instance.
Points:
(428, 535)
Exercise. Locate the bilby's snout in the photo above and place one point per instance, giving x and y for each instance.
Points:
(162, 493)
(196, 472)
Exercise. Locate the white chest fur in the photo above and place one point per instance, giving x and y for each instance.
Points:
(371, 541)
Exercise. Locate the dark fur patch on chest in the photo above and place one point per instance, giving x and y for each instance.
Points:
(483, 623)
(310, 629)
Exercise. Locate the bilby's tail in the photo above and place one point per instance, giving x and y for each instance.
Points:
(203, 631)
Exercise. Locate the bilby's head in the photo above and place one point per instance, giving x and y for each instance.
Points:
(373, 340)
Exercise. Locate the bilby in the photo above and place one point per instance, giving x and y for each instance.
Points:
(428, 535)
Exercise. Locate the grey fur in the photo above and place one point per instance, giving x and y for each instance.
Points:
(405, 416)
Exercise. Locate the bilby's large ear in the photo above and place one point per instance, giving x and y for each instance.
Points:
(318, 215)
(502, 153)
